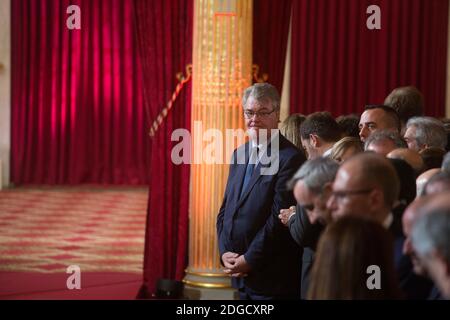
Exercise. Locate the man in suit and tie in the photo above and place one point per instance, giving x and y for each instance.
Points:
(255, 248)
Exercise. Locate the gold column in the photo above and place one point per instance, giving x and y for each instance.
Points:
(221, 71)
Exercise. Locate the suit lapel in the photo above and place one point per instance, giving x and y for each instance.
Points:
(256, 175)
(239, 175)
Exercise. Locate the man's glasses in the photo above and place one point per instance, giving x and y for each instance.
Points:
(261, 114)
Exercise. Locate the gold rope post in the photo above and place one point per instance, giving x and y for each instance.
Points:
(182, 80)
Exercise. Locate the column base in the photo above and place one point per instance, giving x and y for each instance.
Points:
(196, 293)
(208, 286)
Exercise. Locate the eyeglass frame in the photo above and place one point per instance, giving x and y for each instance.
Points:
(258, 113)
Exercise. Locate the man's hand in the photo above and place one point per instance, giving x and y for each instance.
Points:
(240, 267)
(229, 259)
(286, 214)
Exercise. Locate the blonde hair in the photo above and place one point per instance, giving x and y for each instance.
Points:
(343, 145)
(291, 129)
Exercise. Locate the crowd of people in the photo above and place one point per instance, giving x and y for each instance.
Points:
(358, 209)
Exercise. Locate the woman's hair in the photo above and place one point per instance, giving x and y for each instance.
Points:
(345, 251)
(343, 145)
(291, 129)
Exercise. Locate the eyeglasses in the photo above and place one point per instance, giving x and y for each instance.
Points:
(261, 114)
(340, 195)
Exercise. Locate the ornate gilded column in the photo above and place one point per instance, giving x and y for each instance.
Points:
(222, 67)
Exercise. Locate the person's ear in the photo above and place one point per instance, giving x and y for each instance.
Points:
(314, 140)
(376, 198)
(327, 190)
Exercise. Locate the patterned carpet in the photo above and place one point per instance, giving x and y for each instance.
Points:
(47, 229)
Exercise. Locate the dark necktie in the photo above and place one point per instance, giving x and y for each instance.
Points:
(250, 168)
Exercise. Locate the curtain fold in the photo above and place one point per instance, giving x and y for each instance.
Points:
(164, 31)
(339, 65)
(77, 109)
(270, 35)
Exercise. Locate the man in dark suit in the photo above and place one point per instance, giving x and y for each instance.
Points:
(367, 185)
(311, 185)
(306, 235)
(255, 248)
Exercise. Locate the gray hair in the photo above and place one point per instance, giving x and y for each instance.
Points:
(262, 92)
(429, 131)
(442, 178)
(316, 173)
(432, 231)
(446, 163)
(382, 135)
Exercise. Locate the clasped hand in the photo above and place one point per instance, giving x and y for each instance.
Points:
(286, 214)
(235, 264)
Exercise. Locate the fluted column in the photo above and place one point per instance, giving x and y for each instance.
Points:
(221, 71)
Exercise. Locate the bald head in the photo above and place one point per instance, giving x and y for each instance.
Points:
(366, 184)
(418, 208)
(438, 183)
(422, 206)
(376, 169)
(439, 201)
(415, 210)
(423, 179)
(412, 157)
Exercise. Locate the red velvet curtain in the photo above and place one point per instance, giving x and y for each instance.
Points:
(270, 34)
(340, 65)
(77, 109)
(164, 32)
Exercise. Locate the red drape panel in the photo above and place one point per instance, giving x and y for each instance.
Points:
(340, 65)
(270, 34)
(77, 109)
(164, 31)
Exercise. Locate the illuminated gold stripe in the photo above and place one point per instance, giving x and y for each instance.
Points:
(206, 274)
(206, 285)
